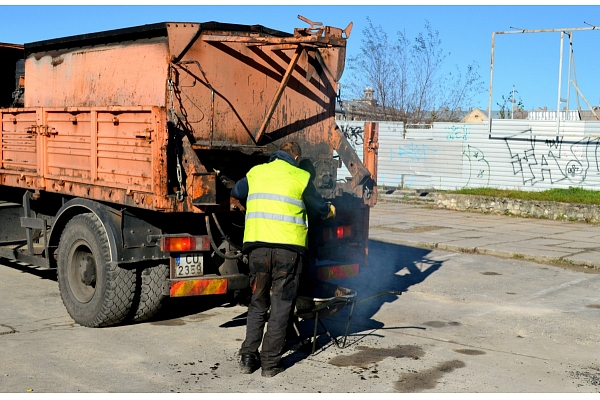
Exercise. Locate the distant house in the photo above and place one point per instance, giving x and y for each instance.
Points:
(476, 115)
(359, 109)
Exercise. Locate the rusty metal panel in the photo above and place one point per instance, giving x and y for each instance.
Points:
(68, 149)
(108, 148)
(19, 143)
(370, 156)
(203, 189)
(181, 36)
(112, 154)
(123, 74)
(220, 108)
(124, 152)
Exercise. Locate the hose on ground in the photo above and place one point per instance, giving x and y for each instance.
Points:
(235, 246)
(214, 246)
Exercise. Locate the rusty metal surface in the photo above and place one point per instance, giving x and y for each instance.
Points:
(96, 119)
(19, 148)
(120, 74)
(230, 84)
(222, 109)
(115, 154)
(181, 37)
(370, 156)
(84, 152)
(285, 88)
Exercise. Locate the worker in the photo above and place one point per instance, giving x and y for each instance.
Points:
(279, 196)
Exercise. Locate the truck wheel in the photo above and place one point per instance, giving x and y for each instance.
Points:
(95, 291)
(152, 292)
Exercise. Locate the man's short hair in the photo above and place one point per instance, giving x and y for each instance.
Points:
(292, 148)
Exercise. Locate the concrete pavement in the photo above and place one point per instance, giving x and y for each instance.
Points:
(575, 244)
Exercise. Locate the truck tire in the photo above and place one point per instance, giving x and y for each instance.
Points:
(152, 292)
(95, 292)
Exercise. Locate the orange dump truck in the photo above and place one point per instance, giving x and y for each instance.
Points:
(120, 149)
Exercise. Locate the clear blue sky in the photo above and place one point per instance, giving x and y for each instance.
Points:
(530, 62)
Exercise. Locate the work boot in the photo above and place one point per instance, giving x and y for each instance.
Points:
(248, 363)
(271, 372)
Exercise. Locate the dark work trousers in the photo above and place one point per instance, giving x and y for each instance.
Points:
(274, 277)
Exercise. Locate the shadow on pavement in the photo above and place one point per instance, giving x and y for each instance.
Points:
(179, 307)
(391, 268)
(49, 274)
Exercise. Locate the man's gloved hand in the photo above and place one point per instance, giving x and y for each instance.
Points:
(331, 213)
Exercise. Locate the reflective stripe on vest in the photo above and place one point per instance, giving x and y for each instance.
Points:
(276, 217)
(278, 197)
(275, 212)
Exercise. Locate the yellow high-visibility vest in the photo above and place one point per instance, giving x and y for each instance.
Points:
(275, 212)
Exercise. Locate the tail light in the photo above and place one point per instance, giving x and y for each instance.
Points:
(337, 232)
(179, 244)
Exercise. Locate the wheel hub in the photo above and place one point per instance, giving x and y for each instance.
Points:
(87, 270)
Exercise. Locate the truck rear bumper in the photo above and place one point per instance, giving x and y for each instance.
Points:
(329, 270)
(207, 285)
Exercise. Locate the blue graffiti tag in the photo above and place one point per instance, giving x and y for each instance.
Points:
(412, 152)
(457, 132)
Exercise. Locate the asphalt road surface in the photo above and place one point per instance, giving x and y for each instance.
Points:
(465, 323)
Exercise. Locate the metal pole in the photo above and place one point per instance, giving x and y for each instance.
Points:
(562, 37)
(348, 324)
(520, 31)
(491, 86)
(546, 30)
(314, 341)
(512, 100)
(569, 73)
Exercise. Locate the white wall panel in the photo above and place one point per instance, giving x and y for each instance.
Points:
(518, 155)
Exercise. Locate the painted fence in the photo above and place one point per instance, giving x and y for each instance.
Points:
(518, 154)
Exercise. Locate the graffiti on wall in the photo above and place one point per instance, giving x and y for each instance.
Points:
(520, 155)
(354, 134)
(553, 160)
(457, 132)
(412, 152)
(479, 168)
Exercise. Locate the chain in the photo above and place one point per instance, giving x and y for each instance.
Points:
(173, 116)
(345, 127)
(181, 190)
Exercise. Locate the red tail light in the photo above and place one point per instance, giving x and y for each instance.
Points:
(338, 232)
(179, 244)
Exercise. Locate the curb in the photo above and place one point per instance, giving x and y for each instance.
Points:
(568, 212)
(494, 253)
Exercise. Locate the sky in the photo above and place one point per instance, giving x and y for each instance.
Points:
(527, 62)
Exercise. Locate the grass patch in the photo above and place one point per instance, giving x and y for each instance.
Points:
(571, 195)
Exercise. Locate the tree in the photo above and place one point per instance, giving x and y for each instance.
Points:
(505, 110)
(408, 78)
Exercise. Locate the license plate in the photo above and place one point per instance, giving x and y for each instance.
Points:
(188, 264)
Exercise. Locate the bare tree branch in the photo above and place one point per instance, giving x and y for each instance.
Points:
(408, 77)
